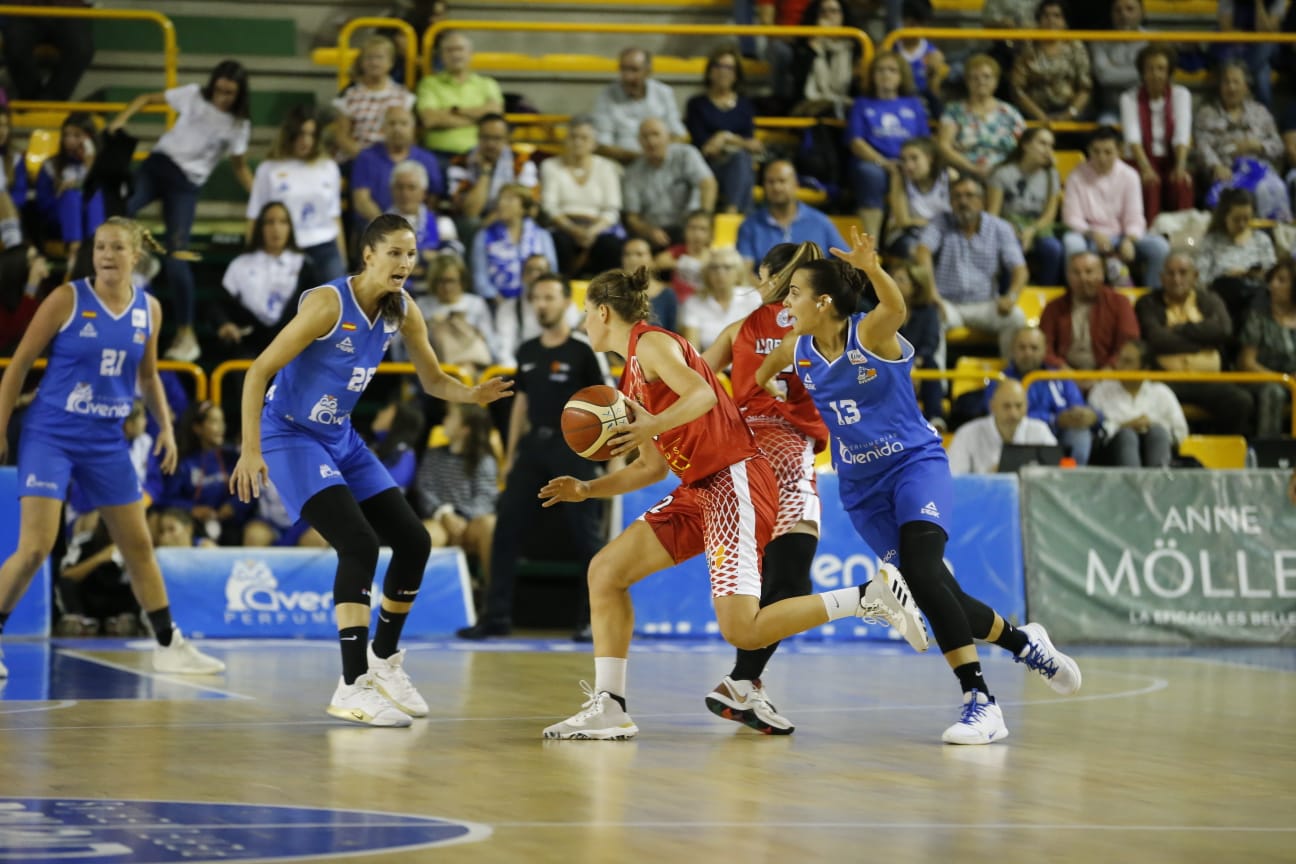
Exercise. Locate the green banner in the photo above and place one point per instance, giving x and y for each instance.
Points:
(1160, 557)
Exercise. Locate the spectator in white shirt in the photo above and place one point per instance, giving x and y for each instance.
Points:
(299, 175)
(721, 301)
(625, 103)
(978, 444)
(1143, 419)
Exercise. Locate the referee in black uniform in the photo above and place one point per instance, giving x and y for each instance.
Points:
(551, 367)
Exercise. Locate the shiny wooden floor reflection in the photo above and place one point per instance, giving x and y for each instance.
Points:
(1163, 756)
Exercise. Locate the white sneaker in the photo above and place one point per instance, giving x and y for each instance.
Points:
(362, 703)
(1060, 671)
(182, 658)
(390, 678)
(886, 600)
(980, 721)
(747, 702)
(185, 349)
(601, 718)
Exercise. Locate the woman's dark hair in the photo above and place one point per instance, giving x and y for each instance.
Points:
(1044, 4)
(258, 227)
(927, 144)
(726, 50)
(477, 446)
(289, 130)
(392, 306)
(1156, 49)
(1019, 152)
(81, 120)
(406, 426)
(626, 293)
(230, 70)
(1105, 133)
(1285, 262)
(838, 281)
(187, 440)
(1229, 199)
(782, 261)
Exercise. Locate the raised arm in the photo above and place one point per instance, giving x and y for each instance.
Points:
(433, 378)
(877, 330)
(136, 105)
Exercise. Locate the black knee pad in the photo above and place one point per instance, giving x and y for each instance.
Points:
(786, 572)
(334, 513)
(922, 558)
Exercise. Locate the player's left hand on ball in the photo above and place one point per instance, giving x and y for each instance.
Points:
(166, 448)
(564, 489)
(639, 431)
(496, 388)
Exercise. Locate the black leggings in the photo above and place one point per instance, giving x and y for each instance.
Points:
(356, 529)
(956, 617)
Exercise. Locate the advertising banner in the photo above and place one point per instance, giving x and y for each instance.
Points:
(1161, 557)
(255, 593)
(984, 554)
(31, 617)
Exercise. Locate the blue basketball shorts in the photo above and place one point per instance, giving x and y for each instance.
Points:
(102, 470)
(302, 465)
(915, 490)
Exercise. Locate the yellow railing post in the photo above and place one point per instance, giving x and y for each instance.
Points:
(344, 46)
(191, 369)
(1032, 35)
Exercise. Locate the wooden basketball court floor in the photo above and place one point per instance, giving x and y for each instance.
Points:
(1164, 755)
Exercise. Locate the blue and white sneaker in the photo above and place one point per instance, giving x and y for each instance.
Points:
(980, 721)
(1060, 671)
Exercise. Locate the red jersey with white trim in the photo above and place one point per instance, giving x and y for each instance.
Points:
(758, 336)
(699, 448)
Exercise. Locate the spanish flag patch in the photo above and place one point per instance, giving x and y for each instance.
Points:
(89, 313)
(803, 362)
(347, 325)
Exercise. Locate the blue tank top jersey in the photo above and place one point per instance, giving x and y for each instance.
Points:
(320, 387)
(868, 405)
(90, 383)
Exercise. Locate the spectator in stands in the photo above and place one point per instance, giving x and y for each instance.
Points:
(779, 51)
(666, 182)
(1233, 128)
(784, 219)
(1233, 257)
(1051, 80)
(262, 284)
(1288, 138)
(721, 124)
(623, 105)
(298, 175)
(518, 320)
(922, 194)
(1143, 420)
(73, 38)
(1009, 14)
(1086, 327)
(421, 15)
(22, 273)
(881, 121)
(396, 429)
(372, 170)
(10, 156)
(824, 66)
(64, 209)
(552, 366)
(1115, 69)
(175, 529)
(979, 133)
(362, 106)
(1059, 403)
(922, 328)
(451, 102)
(1103, 212)
(1252, 16)
(977, 263)
(580, 193)
(213, 122)
(501, 247)
(1026, 190)
(665, 305)
(460, 326)
(458, 484)
(1187, 328)
(1157, 119)
(1267, 346)
(270, 524)
(723, 300)
(978, 444)
(926, 61)
(686, 260)
(477, 177)
(409, 193)
(200, 484)
(92, 591)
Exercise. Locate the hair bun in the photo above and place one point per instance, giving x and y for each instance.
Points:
(640, 280)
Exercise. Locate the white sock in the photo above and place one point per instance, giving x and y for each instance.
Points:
(10, 232)
(610, 675)
(841, 603)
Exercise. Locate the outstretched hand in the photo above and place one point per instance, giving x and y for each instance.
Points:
(564, 488)
(863, 252)
(496, 388)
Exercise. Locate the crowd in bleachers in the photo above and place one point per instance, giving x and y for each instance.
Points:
(954, 155)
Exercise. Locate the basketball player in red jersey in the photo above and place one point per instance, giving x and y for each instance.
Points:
(789, 433)
(726, 486)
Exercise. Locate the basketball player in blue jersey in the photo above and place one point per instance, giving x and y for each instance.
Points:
(102, 338)
(894, 476)
(300, 434)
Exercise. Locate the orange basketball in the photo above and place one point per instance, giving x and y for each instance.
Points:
(591, 417)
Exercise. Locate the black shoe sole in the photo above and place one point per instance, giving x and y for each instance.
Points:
(747, 718)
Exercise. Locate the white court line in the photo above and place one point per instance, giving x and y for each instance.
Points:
(157, 676)
(907, 826)
(37, 706)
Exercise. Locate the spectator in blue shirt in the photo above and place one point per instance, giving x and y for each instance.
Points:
(67, 213)
(371, 173)
(880, 122)
(722, 124)
(1060, 404)
(783, 219)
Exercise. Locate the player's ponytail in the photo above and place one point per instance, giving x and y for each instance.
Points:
(625, 293)
(838, 281)
(141, 239)
(781, 261)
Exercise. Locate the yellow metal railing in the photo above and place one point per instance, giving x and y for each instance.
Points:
(170, 54)
(1031, 35)
(234, 366)
(1287, 381)
(191, 369)
(346, 54)
(735, 30)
